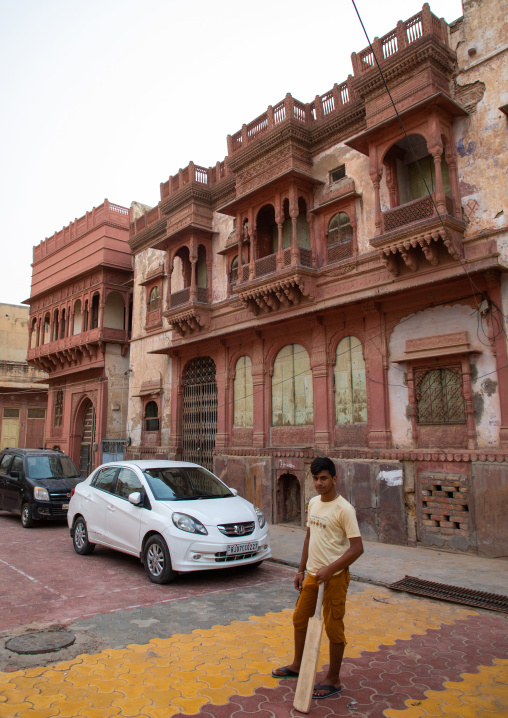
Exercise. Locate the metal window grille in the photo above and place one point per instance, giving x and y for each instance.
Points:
(439, 395)
(337, 173)
(199, 425)
(59, 408)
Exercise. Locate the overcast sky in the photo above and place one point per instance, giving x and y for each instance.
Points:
(107, 99)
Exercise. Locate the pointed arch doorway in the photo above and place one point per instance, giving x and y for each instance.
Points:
(87, 440)
(199, 420)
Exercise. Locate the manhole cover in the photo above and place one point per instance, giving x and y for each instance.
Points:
(41, 642)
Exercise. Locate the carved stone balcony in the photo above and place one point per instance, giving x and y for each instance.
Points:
(267, 287)
(75, 350)
(414, 235)
(187, 315)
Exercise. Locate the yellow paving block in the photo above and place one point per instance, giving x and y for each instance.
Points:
(244, 688)
(133, 692)
(106, 686)
(161, 698)
(132, 706)
(216, 696)
(104, 700)
(69, 708)
(190, 705)
(100, 712)
(165, 712)
(36, 713)
(8, 710)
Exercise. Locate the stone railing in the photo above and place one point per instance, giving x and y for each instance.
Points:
(177, 299)
(106, 212)
(289, 108)
(91, 336)
(413, 211)
(405, 34)
(207, 176)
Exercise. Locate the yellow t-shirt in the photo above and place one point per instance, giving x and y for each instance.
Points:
(332, 524)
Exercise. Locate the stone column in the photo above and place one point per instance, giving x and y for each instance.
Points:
(221, 378)
(260, 432)
(440, 195)
(376, 368)
(176, 406)
(169, 272)
(293, 213)
(493, 279)
(101, 310)
(319, 366)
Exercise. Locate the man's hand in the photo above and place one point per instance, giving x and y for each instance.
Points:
(323, 574)
(299, 581)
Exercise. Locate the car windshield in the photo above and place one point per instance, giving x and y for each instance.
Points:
(177, 484)
(51, 467)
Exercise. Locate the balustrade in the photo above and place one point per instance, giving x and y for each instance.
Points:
(413, 211)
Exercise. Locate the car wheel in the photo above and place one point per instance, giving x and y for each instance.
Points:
(80, 538)
(27, 520)
(158, 561)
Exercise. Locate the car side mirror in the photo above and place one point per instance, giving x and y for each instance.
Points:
(233, 491)
(14, 475)
(136, 498)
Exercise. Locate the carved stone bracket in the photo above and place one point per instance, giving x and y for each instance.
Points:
(189, 321)
(286, 292)
(429, 243)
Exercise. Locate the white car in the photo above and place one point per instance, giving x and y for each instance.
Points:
(176, 516)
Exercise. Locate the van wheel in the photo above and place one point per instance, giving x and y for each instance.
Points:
(27, 520)
(80, 538)
(158, 561)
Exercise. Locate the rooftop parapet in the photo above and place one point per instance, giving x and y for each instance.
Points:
(193, 173)
(405, 34)
(106, 212)
(289, 108)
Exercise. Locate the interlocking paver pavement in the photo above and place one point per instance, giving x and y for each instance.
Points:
(405, 657)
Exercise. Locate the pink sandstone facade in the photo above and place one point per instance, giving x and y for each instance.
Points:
(79, 332)
(337, 285)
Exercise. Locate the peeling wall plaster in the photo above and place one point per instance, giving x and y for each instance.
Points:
(447, 319)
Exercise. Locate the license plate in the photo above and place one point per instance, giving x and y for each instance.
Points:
(65, 506)
(242, 548)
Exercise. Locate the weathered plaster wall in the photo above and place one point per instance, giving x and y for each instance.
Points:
(357, 168)
(145, 262)
(222, 226)
(116, 368)
(480, 40)
(445, 320)
(145, 367)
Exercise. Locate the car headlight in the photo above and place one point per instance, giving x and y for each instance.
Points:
(261, 517)
(187, 523)
(41, 493)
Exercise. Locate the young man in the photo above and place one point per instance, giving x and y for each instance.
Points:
(332, 544)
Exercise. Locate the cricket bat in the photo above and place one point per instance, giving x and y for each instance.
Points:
(308, 667)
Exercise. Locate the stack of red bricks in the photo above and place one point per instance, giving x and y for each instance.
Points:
(445, 504)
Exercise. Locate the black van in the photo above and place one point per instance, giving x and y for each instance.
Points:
(36, 483)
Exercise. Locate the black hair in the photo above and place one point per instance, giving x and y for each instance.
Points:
(323, 463)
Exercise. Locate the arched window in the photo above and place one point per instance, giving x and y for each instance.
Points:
(47, 322)
(55, 325)
(233, 274)
(340, 230)
(243, 394)
(78, 319)
(59, 408)
(439, 395)
(152, 416)
(63, 325)
(292, 396)
(94, 319)
(350, 383)
(154, 301)
(114, 311)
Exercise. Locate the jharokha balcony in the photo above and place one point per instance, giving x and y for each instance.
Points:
(87, 347)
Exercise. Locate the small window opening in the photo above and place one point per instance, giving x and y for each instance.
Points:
(337, 174)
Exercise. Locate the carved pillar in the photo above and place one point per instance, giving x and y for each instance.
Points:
(193, 256)
(260, 432)
(101, 311)
(493, 279)
(176, 407)
(252, 234)
(451, 158)
(209, 265)
(376, 366)
(319, 368)
(440, 195)
(375, 175)
(293, 213)
(239, 240)
(221, 378)
(38, 334)
(169, 272)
